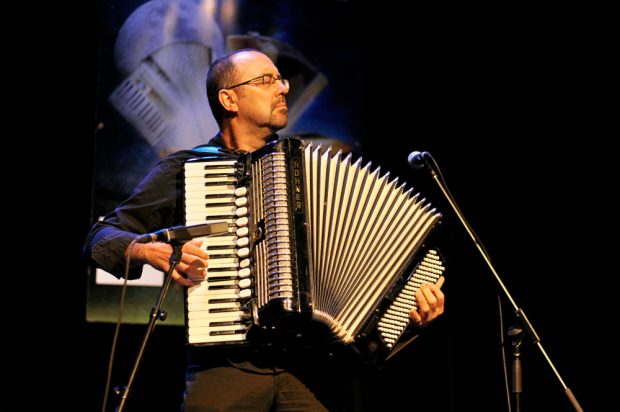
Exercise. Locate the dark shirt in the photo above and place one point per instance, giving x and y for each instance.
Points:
(154, 204)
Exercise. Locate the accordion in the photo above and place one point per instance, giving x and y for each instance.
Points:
(318, 244)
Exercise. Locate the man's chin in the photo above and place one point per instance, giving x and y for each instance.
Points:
(279, 126)
(280, 122)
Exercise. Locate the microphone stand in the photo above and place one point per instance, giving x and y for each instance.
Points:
(518, 311)
(156, 314)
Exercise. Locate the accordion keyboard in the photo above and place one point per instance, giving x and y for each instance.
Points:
(216, 309)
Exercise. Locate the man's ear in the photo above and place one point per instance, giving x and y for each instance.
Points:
(228, 100)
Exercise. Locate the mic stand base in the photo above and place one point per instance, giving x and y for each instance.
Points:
(516, 333)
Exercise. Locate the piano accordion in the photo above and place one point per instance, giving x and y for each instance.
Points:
(314, 238)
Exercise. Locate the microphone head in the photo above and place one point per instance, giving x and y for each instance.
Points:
(416, 159)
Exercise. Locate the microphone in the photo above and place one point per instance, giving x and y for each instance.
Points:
(417, 159)
(184, 233)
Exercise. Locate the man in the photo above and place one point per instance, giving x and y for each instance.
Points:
(248, 98)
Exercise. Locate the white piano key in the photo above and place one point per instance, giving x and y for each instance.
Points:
(199, 192)
(216, 317)
(207, 215)
(219, 179)
(215, 209)
(202, 315)
(220, 294)
(204, 330)
(221, 240)
(202, 220)
(228, 293)
(198, 306)
(191, 203)
(215, 283)
(209, 163)
(223, 263)
(222, 274)
(196, 338)
(214, 189)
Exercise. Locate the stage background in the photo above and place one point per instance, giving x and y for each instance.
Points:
(509, 102)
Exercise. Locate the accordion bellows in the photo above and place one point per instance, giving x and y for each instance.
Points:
(313, 237)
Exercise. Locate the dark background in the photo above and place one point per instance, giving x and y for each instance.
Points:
(513, 105)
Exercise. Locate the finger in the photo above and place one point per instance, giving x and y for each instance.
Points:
(429, 294)
(415, 316)
(439, 296)
(197, 270)
(441, 300)
(423, 306)
(193, 248)
(176, 276)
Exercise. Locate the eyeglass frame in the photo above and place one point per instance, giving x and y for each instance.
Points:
(275, 78)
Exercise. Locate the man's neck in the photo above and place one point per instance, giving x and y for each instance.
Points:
(246, 140)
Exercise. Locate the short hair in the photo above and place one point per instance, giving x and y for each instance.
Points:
(222, 73)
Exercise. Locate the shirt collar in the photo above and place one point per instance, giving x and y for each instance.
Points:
(219, 142)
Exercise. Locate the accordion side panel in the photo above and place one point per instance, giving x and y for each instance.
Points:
(280, 170)
(278, 230)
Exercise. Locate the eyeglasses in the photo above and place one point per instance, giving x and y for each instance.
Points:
(264, 80)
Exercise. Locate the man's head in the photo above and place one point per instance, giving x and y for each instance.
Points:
(246, 86)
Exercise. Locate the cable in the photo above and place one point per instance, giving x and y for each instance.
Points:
(501, 339)
(121, 311)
